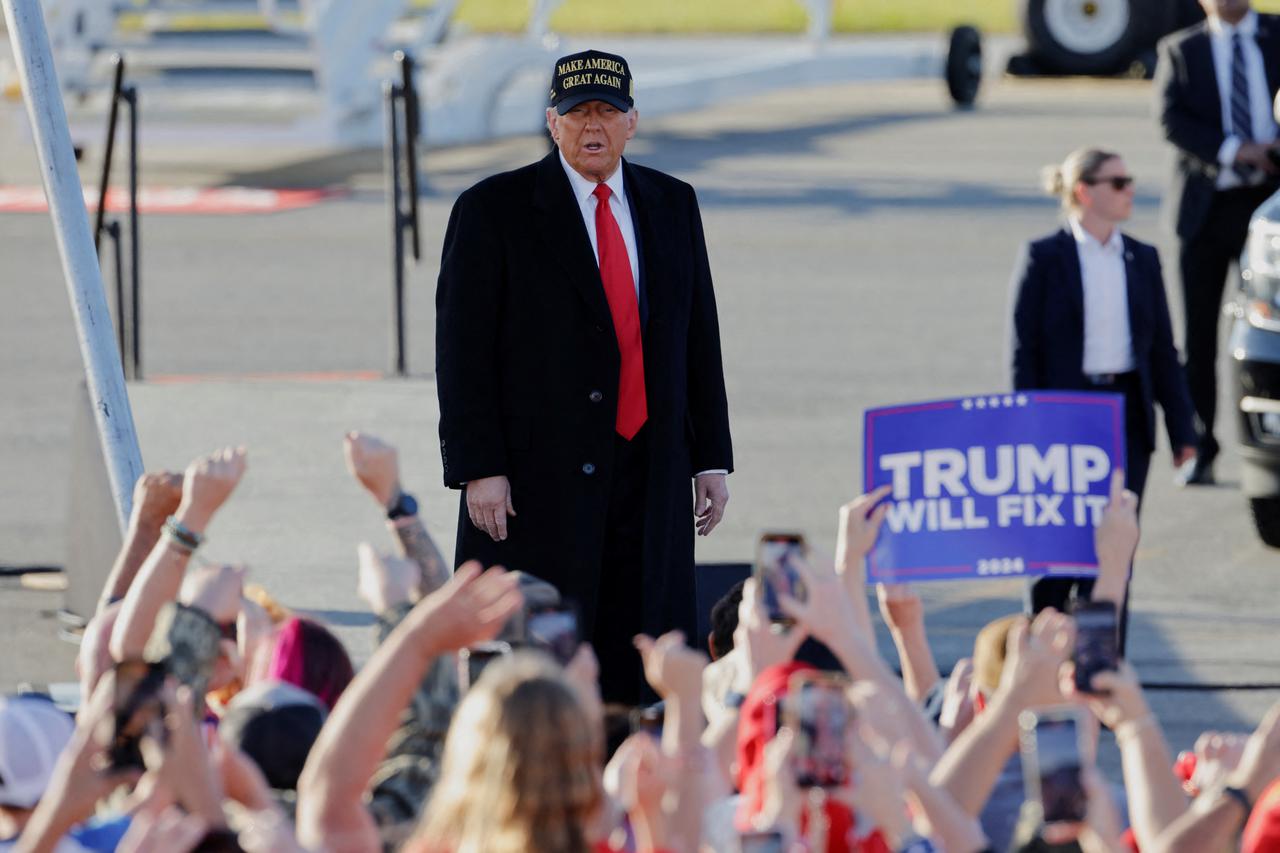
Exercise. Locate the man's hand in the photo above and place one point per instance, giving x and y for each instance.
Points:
(375, 464)
(156, 496)
(1257, 155)
(1183, 455)
(710, 495)
(206, 485)
(489, 504)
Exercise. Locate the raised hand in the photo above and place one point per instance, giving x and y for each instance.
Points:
(217, 590)
(386, 580)
(1035, 657)
(206, 485)
(471, 608)
(671, 667)
(900, 605)
(1260, 760)
(957, 700)
(859, 527)
(156, 496)
(761, 644)
(1117, 696)
(375, 464)
(1116, 539)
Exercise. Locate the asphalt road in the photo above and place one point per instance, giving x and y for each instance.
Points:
(861, 237)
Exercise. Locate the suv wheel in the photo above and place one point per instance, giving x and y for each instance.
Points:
(1266, 519)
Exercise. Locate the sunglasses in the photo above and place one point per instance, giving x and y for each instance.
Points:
(1119, 183)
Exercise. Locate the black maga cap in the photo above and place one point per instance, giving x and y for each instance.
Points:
(592, 76)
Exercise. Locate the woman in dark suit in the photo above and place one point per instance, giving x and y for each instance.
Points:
(1090, 314)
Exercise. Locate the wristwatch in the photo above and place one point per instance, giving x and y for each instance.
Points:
(404, 506)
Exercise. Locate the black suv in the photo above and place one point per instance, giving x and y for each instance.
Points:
(1255, 355)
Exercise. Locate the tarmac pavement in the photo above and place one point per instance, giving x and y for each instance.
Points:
(861, 236)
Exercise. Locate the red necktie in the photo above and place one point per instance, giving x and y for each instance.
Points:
(620, 290)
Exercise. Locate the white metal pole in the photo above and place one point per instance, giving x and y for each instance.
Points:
(30, 43)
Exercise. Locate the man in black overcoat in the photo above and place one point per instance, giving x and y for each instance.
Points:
(582, 399)
(1216, 82)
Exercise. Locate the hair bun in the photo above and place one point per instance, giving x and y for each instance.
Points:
(1053, 181)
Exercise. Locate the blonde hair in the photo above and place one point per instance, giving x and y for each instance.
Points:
(1082, 164)
(521, 768)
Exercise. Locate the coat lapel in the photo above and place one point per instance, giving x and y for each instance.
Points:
(645, 198)
(1074, 283)
(1200, 67)
(1133, 289)
(1269, 44)
(564, 236)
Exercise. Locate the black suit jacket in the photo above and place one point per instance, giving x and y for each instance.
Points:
(1048, 329)
(527, 374)
(1190, 111)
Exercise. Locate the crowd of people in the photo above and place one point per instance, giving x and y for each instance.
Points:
(214, 718)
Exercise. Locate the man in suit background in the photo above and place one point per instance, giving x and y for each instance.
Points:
(579, 373)
(1216, 83)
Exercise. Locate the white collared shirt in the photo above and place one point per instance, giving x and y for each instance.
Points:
(1108, 345)
(1261, 119)
(584, 191)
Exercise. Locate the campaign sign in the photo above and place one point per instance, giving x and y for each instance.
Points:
(992, 486)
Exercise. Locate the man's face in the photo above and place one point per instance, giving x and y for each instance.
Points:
(591, 136)
(1230, 11)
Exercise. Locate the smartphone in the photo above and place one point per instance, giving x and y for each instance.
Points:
(1051, 763)
(761, 842)
(818, 710)
(775, 571)
(472, 661)
(555, 630)
(137, 710)
(648, 719)
(1096, 647)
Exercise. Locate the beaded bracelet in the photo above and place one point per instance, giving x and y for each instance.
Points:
(182, 535)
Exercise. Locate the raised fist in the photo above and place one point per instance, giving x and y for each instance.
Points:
(375, 464)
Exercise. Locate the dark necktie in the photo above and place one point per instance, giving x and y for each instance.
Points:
(1241, 113)
(620, 290)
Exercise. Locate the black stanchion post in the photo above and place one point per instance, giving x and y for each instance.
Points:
(392, 93)
(130, 95)
(409, 95)
(100, 219)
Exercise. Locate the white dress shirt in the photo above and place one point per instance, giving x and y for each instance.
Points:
(1108, 345)
(1262, 121)
(584, 190)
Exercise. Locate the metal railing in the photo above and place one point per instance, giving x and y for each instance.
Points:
(128, 314)
(403, 131)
